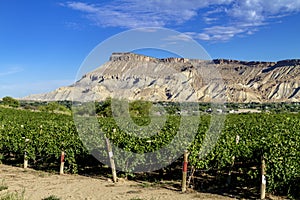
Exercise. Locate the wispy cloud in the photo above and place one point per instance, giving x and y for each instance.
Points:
(186, 37)
(136, 13)
(246, 18)
(223, 33)
(217, 19)
(10, 71)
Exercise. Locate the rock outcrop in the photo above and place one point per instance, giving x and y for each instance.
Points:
(132, 76)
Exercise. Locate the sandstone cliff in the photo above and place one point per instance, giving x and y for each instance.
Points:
(132, 76)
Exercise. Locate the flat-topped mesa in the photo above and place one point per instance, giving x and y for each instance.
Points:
(247, 63)
(283, 63)
(289, 62)
(127, 56)
(137, 57)
(172, 59)
(125, 76)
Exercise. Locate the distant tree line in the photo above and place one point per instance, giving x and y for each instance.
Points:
(141, 108)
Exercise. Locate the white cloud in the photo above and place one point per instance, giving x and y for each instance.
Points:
(186, 37)
(210, 20)
(246, 17)
(136, 13)
(223, 32)
(10, 71)
(203, 36)
(222, 19)
(82, 7)
(218, 33)
(262, 10)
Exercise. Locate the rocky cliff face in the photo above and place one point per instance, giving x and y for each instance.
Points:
(132, 76)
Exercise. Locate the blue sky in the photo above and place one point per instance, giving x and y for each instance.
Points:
(44, 42)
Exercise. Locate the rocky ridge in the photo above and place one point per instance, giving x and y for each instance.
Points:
(132, 76)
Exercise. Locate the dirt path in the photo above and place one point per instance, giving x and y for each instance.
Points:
(38, 185)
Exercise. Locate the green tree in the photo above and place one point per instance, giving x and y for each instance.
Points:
(53, 106)
(104, 108)
(9, 101)
(140, 108)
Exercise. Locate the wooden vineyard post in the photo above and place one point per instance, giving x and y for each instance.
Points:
(263, 179)
(25, 160)
(184, 171)
(111, 160)
(237, 140)
(62, 163)
(25, 154)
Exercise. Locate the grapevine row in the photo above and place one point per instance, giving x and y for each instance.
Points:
(276, 137)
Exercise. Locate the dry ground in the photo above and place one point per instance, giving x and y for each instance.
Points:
(37, 185)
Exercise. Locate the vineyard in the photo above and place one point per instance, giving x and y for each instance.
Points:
(275, 137)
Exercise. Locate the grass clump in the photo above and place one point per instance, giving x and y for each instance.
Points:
(13, 196)
(52, 197)
(3, 186)
(136, 199)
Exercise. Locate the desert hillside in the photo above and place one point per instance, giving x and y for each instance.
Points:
(132, 76)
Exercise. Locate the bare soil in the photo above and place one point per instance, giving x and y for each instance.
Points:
(37, 185)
